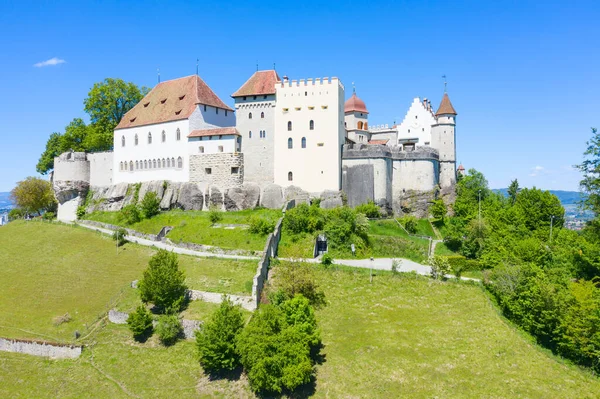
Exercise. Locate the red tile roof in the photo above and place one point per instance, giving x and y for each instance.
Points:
(260, 83)
(214, 132)
(170, 101)
(445, 106)
(460, 167)
(355, 104)
(379, 142)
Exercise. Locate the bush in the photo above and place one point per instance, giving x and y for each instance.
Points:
(370, 210)
(81, 210)
(293, 278)
(395, 266)
(49, 216)
(260, 225)
(150, 205)
(214, 215)
(163, 284)
(439, 267)
(169, 329)
(16, 213)
(410, 224)
(216, 339)
(327, 260)
(119, 236)
(275, 353)
(439, 209)
(140, 323)
(130, 214)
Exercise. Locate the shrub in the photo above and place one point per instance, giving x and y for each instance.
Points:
(370, 210)
(16, 213)
(214, 215)
(410, 224)
(260, 225)
(80, 211)
(216, 339)
(439, 267)
(294, 278)
(49, 216)
(150, 205)
(168, 329)
(439, 209)
(130, 214)
(275, 354)
(395, 265)
(327, 260)
(163, 283)
(119, 236)
(140, 323)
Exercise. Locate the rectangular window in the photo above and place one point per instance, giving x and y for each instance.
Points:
(235, 170)
(220, 148)
(208, 171)
(225, 112)
(217, 109)
(204, 107)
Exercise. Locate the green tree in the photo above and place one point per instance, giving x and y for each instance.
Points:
(140, 323)
(468, 191)
(295, 278)
(169, 329)
(163, 284)
(536, 207)
(216, 339)
(54, 147)
(150, 205)
(513, 190)
(439, 209)
(34, 195)
(590, 167)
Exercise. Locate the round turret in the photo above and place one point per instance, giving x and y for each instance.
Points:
(355, 104)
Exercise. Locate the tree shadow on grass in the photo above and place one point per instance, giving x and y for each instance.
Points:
(229, 375)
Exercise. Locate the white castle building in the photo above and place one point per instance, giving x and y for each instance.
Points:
(280, 132)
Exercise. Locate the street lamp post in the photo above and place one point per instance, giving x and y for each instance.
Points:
(551, 223)
(479, 194)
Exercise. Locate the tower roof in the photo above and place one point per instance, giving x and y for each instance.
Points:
(260, 83)
(355, 104)
(171, 100)
(445, 106)
(461, 167)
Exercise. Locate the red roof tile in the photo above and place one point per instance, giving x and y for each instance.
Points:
(445, 106)
(214, 132)
(260, 83)
(170, 101)
(355, 104)
(379, 142)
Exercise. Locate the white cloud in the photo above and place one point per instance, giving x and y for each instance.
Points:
(536, 170)
(50, 62)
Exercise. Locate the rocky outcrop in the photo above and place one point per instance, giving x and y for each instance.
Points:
(296, 193)
(415, 203)
(272, 197)
(246, 197)
(67, 190)
(331, 199)
(190, 197)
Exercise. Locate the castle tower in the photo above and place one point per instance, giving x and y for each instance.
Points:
(443, 138)
(255, 105)
(356, 119)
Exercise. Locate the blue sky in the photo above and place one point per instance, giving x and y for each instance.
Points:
(522, 76)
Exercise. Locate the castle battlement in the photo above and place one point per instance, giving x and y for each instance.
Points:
(381, 128)
(310, 82)
(362, 151)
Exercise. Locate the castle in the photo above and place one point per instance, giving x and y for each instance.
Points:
(287, 135)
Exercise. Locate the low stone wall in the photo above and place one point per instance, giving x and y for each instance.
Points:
(114, 316)
(40, 348)
(189, 326)
(245, 302)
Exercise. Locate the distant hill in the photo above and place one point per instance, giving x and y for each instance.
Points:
(565, 197)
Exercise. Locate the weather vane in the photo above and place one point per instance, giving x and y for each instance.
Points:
(445, 82)
(353, 88)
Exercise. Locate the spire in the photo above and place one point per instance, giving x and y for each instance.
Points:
(353, 88)
(445, 107)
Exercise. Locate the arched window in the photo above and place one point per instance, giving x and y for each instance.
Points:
(136, 139)
(121, 166)
(201, 149)
(179, 163)
(137, 165)
(220, 148)
(163, 163)
(145, 164)
(360, 125)
(154, 163)
(178, 134)
(289, 126)
(303, 142)
(164, 136)
(168, 163)
(122, 141)
(131, 166)
(149, 138)
(250, 134)
(290, 143)
(173, 162)
(262, 115)
(311, 125)
(366, 126)
(290, 176)
(250, 115)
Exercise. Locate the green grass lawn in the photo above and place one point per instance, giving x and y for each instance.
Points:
(48, 270)
(195, 227)
(442, 249)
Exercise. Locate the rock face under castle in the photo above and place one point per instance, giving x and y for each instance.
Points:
(282, 139)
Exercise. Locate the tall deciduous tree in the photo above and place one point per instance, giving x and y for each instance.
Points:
(33, 195)
(513, 190)
(53, 149)
(590, 167)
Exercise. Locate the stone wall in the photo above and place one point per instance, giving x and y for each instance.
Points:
(101, 168)
(40, 348)
(222, 170)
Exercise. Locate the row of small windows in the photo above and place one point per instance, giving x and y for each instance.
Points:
(163, 138)
(264, 97)
(216, 110)
(152, 164)
(311, 125)
(201, 149)
(291, 143)
(263, 134)
(262, 115)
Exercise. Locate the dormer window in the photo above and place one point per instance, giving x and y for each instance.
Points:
(133, 119)
(164, 100)
(146, 104)
(181, 97)
(177, 112)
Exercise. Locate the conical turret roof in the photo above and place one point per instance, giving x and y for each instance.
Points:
(445, 107)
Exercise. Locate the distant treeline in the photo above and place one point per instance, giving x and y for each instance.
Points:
(565, 197)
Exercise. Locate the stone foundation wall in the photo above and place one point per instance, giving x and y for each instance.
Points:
(222, 170)
(40, 348)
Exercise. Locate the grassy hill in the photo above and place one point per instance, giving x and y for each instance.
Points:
(399, 336)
